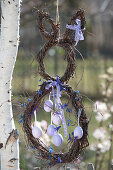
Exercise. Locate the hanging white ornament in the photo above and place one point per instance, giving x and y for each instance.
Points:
(36, 132)
(51, 130)
(56, 119)
(78, 132)
(48, 106)
(57, 139)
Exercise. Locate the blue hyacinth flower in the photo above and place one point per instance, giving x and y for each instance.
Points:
(23, 104)
(20, 121)
(59, 159)
(40, 92)
(68, 110)
(69, 137)
(76, 98)
(77, 91)
(50, 149)
(40, 80)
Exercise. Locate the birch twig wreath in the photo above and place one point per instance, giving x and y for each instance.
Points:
(55, 87)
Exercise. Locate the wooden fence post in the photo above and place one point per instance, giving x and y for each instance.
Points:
(90, 166)
(111, 166)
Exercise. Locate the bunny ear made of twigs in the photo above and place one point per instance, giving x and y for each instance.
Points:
(43, 16)
(78, 15)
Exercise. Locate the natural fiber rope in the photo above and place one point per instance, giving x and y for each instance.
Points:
(57, 13)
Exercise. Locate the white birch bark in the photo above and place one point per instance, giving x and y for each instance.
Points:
(10, 17)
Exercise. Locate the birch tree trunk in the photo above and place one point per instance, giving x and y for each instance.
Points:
(10, 16)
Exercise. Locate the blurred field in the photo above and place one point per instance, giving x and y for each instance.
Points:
(26, 73)
(26, 80)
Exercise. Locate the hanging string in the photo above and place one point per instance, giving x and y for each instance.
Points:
(51, 118)
(57, 13)
(52, 111)
(79, 114)
(57, 17)
(35, 116)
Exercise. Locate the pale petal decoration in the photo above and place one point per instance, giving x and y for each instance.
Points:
(44, 124)
(93, 147)
(111, 126)
(111, 109)
(110, 70)
(103, 117)
(100, 133)
(45, 139)
(104, 146)
(100, 107)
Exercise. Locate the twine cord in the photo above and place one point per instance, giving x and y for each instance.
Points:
(51, 118)
(35, 116)
(57, 12)
(58, 18)
(79, 114)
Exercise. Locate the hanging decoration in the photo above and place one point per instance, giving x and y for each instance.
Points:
(77, 29)
(54, 87)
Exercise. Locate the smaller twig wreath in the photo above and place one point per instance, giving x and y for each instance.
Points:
(76, 146)
(54, 39)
